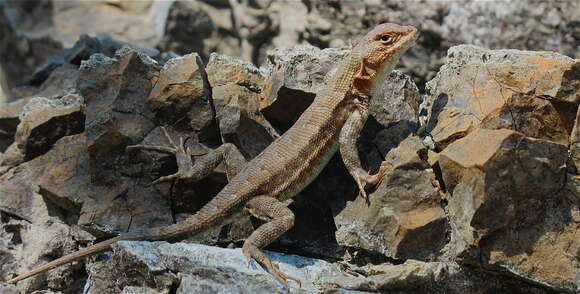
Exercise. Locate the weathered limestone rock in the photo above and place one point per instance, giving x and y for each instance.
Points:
(404, 210)
(397, 102)
(45, 121)
(198, 268)
(181, 93)
(478, 85)
(159, 267)
(506, 206)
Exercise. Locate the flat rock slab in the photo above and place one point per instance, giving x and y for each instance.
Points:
(205, 269)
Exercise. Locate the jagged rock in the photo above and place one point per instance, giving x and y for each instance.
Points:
(478, 85)
(181, 93)
(45, 121)
(506, 206)
(223, 70)
(157, 267)
(34, 231)
(114, 90)
(404, 210)
(295, 76)
(240, 121)
(397, 101)
(236, 86)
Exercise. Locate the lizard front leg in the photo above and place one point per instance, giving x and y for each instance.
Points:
(279, 219)
(349, 153)
(203, 166)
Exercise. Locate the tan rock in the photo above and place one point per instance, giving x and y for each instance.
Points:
(182, 90)
(222, 70)
(505, 206)
(475, 83)
(404, 210)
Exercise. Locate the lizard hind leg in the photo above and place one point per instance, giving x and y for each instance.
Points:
(279, 219)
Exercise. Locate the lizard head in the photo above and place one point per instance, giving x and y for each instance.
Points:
(380, 51)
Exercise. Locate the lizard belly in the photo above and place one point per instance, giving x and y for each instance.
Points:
(309, 175)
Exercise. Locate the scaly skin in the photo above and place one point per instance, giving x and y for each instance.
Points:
(289, 164)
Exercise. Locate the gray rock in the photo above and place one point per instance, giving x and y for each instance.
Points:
(44, 121)
(197, 268)
(295, 76)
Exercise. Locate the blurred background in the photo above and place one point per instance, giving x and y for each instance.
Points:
(33, 30)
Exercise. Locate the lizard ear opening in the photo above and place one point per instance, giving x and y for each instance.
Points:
(362, 80)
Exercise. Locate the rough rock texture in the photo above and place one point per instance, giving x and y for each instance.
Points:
(503, 215)
(159, 267)
(182, 93)
(531, 92)
(493, 207)
(405, 210)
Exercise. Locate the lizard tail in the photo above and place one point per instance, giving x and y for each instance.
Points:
(99, 247)
(160, 233)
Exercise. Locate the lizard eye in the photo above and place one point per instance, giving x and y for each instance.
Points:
(387, 39)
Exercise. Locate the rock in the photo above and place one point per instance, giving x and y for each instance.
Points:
(535, 117)
(34, 231)
(295, 76)
(222, 70)
(157, 267)
(236, 86)
(240, 121)
(575, 144)
(506, 206)
(140, 23)
(182, 93)
(9, 120)
(404, 210)
(46, 122)
(476, 84)
(193, 268)
(115, 90)
(397, 102)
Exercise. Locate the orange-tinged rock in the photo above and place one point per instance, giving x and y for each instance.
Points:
(508, 208)
(476, 84)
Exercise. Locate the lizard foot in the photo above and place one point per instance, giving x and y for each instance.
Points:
(253, 253)
(182, 155)
(363, 178)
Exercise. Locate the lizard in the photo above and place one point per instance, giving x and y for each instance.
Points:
(332, 122)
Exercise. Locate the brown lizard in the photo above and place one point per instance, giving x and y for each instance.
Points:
(284, 168)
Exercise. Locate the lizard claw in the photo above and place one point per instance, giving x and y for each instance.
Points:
(363, 178)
